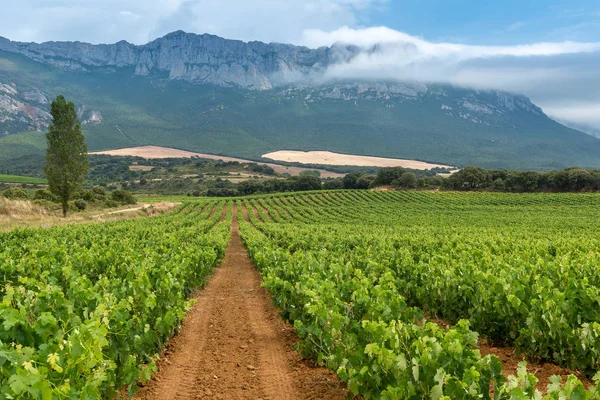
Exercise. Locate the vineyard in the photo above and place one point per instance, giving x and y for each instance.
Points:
(360, 272)
(85, 309)
(393, 291)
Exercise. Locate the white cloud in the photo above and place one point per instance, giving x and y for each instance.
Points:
(264, 20)
(583, 113)
(369, 37)
(563, 77)
(550, 73)
(109, 21)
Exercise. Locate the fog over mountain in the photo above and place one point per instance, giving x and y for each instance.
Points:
(561, 77)
(393, 96)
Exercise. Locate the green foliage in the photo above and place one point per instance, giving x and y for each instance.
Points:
(568, 180)
(16, 193)
(21, 179)
(66, 153)
(80, 204)
(45, 194)
(385, 176)
(333, 184)
(110, 203)
(85, 310)
(407, 180)
(355, 271)
(357, 180)
(249, 124)
(123, 196)
(469, 178)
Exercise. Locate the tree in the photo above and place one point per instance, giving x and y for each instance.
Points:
(350, 179)
(407, 180)
(66, 152)
(387, 175)
(306, 182)
(469, 178)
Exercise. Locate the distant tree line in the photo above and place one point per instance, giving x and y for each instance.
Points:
(572, 179)
(307, 180)
(469, 178)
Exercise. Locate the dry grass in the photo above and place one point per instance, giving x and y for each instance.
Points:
(20, 208)
(140, 167)
(157, 152)
(23, 213)
(329, 158)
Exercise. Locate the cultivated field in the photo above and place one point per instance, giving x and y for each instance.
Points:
(329, 158)
(402, 295)
(21, 179)
(157, 152)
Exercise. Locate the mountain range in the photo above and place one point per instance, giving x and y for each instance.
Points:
(209, 94)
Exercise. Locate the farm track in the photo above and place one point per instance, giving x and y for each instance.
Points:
(234, 345)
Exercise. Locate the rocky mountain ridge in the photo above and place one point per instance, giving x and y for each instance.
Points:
(212, 95)
(196, 58)
(209, 59)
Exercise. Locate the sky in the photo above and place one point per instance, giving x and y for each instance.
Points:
(548, 50)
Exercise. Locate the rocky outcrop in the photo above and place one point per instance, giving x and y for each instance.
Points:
(197, 58)
(89, 117)
(30, 110)
(16, 115)
(290, 71)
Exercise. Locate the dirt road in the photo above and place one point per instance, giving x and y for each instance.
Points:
(233, 345)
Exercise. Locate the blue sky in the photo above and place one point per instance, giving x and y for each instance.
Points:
(492, 22)
(547, 50)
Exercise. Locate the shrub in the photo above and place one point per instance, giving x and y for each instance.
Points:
(88, 195)
(111, 204)
(45, 194)
(99, 191)
(80, 204)
(407, 180)
(123, 196)
(16, 194)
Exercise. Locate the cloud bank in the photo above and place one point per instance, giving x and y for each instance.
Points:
(140, 21)
(562, 77)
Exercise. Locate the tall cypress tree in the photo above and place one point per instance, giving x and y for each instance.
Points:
(66, 152)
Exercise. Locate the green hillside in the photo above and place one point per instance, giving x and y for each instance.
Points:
(244, 123)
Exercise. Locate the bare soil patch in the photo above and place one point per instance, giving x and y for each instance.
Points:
(156, 152)
(329, 158)
(543, 371)
(510, 361)
(140, 167)
(245, 212)
(150, 209)
(234, 345)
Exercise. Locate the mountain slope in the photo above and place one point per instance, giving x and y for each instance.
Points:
(257, 98)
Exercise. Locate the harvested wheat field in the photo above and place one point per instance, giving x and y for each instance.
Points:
(156, 152)
(329, 158)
